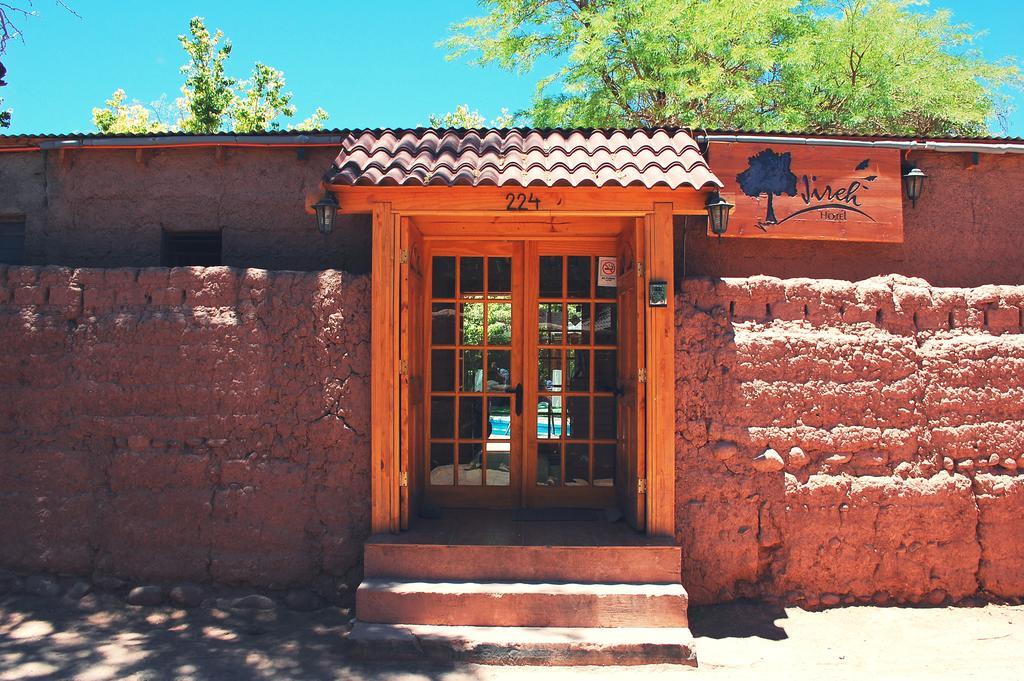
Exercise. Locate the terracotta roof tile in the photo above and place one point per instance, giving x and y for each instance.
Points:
(574, 158)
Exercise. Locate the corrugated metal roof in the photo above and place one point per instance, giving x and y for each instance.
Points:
(175, 133)
(696, 133)
(650, 158)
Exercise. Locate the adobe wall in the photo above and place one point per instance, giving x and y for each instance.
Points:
(106, 207)
(895, 412)
(206, 424)
(967, 230)
(212, 424)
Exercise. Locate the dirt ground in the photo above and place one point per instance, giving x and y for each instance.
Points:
(50, 639)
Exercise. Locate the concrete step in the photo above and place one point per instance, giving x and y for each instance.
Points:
(521, 604)
(522, 645)
(658, 564)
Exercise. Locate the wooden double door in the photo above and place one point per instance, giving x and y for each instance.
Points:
(530, 357)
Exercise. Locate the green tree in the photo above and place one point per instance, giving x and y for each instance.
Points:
(839, 66)
(463, 117)
(263, 101)
(211, 100)
(207, 92)
(119, 117)
(315, 121)
(499, 323)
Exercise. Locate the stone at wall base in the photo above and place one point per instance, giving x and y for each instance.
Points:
(39, 585)
(254, 602)
(77, 590)
(186, 595)
(149, 595)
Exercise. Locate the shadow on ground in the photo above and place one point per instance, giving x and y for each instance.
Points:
(739, 619)
(49, 639)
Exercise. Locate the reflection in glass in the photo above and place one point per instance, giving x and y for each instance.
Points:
(471, 418)
(470, 464)
(549, 417)
(606, 324)
(577, 464)
(549, 464)
(579, 370)
(443, 284)
(549, 370)
(441, 463)
(442, 370)
(605, 418)
(472, 315)
(578, 327)
(499, 370)
(499, 418)
(499, 276)
(577, 418)
(497, 464)
(550, 276)
(442, 324)
(549, 323)
(499, 324)
(472, 370)
(606, 371)
(579, 276)
(442, 417)
(604, 465)
(471, 275)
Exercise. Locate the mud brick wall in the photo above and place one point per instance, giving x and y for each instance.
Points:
(188, 423)
(848, 442)
(108, 207)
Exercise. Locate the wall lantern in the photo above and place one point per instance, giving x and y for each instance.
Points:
(326, 210)
(718, 213)
(913, 183)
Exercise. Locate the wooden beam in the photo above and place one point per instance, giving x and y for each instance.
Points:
(661, 393)
(384, 372)
(518, 201)
(506, 227)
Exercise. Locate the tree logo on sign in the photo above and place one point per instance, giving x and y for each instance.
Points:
(768, 173)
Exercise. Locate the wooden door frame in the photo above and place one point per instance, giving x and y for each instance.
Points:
(562, 212)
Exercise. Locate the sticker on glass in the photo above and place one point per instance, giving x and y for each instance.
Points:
(607, 272)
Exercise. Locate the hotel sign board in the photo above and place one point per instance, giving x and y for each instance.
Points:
(795, 191)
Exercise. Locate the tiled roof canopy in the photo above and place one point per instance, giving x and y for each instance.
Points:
(549, 158)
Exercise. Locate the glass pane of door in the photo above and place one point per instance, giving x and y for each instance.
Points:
(471, 372)
(576, 372)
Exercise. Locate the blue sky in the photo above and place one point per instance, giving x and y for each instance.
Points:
(370, 64)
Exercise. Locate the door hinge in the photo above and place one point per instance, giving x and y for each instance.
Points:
(639, 269)
(641, 485)
(403, 256)
(403, 478)
(641, 374)
(403, 367)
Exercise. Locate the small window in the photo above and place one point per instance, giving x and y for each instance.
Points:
(181, 249)
(12, 241)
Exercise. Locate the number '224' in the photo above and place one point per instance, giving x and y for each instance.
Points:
(519, 201)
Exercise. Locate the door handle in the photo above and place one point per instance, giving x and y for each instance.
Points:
(518, 392)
